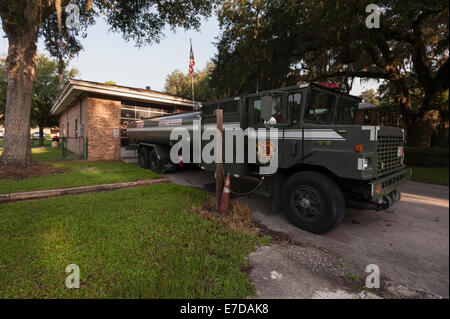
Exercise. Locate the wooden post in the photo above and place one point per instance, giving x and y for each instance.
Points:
(219, 178)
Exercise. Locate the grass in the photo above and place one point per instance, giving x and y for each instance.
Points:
(130, 243)
(46, 154)
(432, 175)
(80, 173)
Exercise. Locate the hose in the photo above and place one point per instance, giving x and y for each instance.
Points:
(246, 193)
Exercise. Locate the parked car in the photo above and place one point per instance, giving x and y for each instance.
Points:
(1, 134)
(35, 135)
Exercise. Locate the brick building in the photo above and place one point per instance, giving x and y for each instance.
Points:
(91, 115)
(367, 114)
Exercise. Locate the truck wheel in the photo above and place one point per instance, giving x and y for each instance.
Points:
(313, 202)
(155, 162)
(144, 156)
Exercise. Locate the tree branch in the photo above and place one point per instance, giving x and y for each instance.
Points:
(359, 74)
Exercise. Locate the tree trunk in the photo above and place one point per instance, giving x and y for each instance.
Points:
(21, 65)
(421, 128)
(41, 136)
(443, 134)
(61, 68)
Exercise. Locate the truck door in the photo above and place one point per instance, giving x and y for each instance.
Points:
(282, 119)
(293, 134)
(321, 136)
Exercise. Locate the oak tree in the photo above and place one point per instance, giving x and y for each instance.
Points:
(23, 21)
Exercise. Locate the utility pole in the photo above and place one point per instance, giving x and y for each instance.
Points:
(219, 178)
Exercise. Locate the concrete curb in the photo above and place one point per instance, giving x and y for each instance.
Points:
(76, 190)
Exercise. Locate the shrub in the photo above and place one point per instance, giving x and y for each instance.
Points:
(430, 157)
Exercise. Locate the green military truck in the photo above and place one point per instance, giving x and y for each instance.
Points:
(324, 160)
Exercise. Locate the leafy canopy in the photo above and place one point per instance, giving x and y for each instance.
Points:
(46, 89)
(277, 43)
(180, 84)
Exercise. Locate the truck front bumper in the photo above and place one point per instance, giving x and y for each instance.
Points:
(389, 183)
(381, 193)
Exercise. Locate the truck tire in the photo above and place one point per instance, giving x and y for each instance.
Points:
(154, 161)
(313, 202)
(144, 157)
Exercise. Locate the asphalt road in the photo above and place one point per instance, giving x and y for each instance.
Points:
(409, 242)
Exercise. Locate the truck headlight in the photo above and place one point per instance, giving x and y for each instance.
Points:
(363, 164)
(366, 163)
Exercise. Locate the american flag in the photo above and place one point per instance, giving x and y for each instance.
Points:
(191, 62)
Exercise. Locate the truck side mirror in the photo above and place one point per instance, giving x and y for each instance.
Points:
(266, 107)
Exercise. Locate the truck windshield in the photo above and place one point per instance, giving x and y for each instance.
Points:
(320, 107)
(323, 109)
(346, 111)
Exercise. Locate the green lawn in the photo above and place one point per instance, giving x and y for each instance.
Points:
(129, 243)
(433, 175)
(81, 173)
(46, 154)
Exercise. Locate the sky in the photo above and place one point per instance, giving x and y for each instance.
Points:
(107, 57)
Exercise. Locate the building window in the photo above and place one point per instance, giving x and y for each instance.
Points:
(131, 112)
(367, 116)
(128, 113)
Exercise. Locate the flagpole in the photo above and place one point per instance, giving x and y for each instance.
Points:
(193, 97)
(191, 57)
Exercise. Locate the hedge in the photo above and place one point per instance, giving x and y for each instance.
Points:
(430, 157)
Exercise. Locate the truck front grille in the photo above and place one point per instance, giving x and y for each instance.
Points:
(387, 158)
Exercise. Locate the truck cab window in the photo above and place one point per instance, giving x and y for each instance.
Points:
(320, 108)
(294, 101)
(256, 111)
(279, 115)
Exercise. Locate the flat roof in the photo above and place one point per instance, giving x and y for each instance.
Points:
(367, 106)
(75, 88)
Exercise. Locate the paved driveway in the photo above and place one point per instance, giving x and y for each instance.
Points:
(409, 242)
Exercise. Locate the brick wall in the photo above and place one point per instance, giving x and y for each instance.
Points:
(98, 118)
(373, 115)
(73, 126)
(104, 118)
